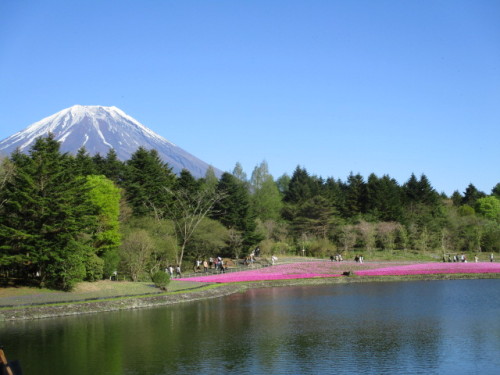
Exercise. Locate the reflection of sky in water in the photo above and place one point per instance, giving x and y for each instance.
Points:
(435, 327)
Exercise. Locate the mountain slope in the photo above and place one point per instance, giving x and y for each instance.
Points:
(99, 129)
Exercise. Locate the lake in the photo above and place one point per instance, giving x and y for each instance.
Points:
(425, 327)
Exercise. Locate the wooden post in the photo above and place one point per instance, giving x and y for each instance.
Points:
(3, 360)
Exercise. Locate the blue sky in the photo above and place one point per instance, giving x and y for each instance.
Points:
(389, 87)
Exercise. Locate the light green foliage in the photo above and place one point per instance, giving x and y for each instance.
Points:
(104, 198)
(466, 210)
(265, 195)
(161, 234)
(135, 253)
(209, 239)
(489, 207)
(161, 279)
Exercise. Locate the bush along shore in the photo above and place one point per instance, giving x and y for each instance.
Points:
(219, 285)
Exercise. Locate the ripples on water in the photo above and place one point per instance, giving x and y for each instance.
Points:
(437, 327)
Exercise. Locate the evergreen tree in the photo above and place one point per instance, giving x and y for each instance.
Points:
(335, 193)
(83, 163)
(496, 190)
(300, 187)
(113, 168)
(471, 195)
(355, 202)
(383, 198)
(45, 215)
(146, 181)
(315, 217)
(233, 211)
(187, 182)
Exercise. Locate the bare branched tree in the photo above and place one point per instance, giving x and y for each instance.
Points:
(187, 210)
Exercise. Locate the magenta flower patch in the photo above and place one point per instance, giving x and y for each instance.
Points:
(432, 268)
(314, 269)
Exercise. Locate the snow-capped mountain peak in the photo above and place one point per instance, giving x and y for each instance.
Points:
(100, 129)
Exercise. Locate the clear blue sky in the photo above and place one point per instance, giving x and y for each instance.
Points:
(390, 87)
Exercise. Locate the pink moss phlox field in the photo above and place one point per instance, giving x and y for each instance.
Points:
(432, 268)
(315, 269)
(303, 270)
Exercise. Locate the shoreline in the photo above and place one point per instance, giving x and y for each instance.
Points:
(209, 291)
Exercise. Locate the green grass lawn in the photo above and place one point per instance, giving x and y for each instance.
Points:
(14, 296)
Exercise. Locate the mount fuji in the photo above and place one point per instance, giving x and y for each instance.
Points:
(100, 129)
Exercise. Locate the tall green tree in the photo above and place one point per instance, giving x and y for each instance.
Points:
(113, 168)
(383, 199)
(471, 195)
(187, 182)
(83, 163)
(104, 202)
(301, 187)
(265, 196)
(146, 179)
(46, 212)
(355, 202)
(234, 210)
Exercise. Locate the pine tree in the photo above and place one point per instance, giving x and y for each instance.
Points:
(83, 163)
(355, 202)
(113, 168)
(146, 181)
(300, 187)
(187, 182)
(233, 211)
(471, 195)
(45, 215)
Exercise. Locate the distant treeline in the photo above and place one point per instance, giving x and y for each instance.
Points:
(68, 218)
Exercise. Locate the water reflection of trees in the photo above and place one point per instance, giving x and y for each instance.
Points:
(305, 330)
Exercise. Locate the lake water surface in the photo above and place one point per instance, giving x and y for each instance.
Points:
(432, 327)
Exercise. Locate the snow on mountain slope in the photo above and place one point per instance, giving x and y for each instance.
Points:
(99, 129)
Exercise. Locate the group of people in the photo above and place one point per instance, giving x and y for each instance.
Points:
(171, 269)
(336, 258)
(462, 258)
(217, 263)
(359, 258)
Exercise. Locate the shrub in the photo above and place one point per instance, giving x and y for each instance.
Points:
(161, 279)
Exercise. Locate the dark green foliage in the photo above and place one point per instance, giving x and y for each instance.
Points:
(315, 216)
(456, 198)
(233, 211)
(113, 168)
(83, 163)
(356, 195)
(146, 181)
(419, 191)
(300, 188)
(187, 182)
(496, 191)
(383, 199)
(471, 195)
(45, 214)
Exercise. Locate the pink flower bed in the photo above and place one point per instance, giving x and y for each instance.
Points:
(303, 270)
(432, 268)
(306, 270)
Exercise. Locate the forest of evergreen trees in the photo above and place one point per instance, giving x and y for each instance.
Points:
(70, 218)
